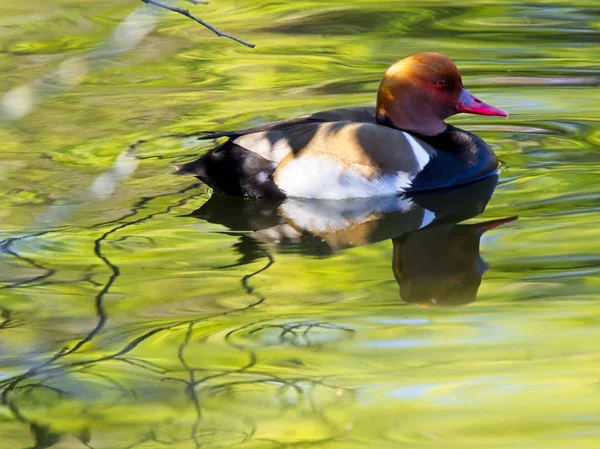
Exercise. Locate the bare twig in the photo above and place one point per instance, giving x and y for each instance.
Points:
(187, 13)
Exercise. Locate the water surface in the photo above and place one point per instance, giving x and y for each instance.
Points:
(135, 311)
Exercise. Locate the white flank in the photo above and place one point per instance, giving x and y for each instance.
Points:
(327, 178)
(421, 155)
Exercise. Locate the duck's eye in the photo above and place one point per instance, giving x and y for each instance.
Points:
(441, 82)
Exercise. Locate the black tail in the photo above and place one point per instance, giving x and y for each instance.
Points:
(233, 170)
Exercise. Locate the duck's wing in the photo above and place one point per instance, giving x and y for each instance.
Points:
(350, 134)
(366, 146)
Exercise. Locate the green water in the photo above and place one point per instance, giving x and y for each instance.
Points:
(135, 314)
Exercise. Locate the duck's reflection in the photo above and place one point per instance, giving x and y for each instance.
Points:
(436, 261)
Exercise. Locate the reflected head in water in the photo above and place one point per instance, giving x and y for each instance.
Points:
(440, 265)
(435, 260)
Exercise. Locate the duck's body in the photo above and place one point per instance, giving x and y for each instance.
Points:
(354, 152)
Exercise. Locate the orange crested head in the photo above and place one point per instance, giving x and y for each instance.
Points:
(419, 92)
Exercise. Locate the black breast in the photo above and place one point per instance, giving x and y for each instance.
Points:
(461, 158)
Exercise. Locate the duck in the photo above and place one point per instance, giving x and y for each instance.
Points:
(402, 145)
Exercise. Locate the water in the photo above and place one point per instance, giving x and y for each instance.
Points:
(136, 312)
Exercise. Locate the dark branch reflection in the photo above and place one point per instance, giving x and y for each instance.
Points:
(436, 261)
(62, 375)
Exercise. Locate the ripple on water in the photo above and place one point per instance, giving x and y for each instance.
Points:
(168, 350)
(289, 333)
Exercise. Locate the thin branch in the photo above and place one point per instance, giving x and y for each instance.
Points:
(187, 13)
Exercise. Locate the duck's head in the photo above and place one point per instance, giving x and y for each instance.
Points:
(419, 92)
